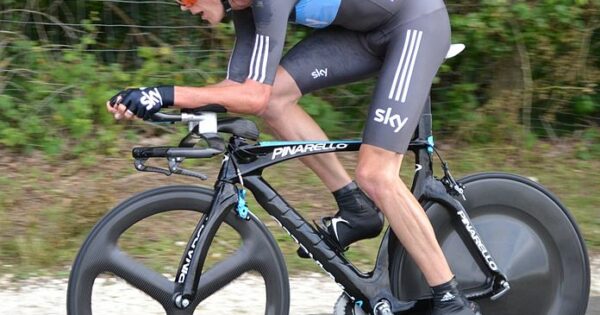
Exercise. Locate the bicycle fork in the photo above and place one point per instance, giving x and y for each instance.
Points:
(190, 267)
(437, 191)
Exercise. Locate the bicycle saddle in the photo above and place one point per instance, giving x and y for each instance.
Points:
(454, 50)
(239, 127)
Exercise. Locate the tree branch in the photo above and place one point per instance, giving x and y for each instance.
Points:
(70, 31)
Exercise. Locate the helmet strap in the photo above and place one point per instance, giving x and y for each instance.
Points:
(226, 6)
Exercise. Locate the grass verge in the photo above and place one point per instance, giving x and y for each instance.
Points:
(46, 210)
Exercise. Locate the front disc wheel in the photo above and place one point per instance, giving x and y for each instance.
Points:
(129, 244)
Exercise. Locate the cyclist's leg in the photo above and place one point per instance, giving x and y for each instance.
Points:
(288, 121)
(328, 57)
(326, 51)
(377, 174)
(415, 51)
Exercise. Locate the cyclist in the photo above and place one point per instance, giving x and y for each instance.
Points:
(403, 42)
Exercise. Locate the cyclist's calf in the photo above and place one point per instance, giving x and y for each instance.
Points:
(377, 174)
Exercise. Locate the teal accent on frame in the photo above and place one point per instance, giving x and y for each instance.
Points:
(242, 206)
(431, 144)
(282, 143)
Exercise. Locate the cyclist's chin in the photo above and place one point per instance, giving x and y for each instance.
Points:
(212, 20)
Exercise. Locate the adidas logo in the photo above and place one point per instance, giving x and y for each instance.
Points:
(448, 297)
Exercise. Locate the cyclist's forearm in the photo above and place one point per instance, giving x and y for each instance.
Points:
(247, 98)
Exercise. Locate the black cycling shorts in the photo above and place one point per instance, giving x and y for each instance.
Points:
(404, 53)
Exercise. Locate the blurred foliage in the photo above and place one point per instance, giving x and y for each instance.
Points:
(545, 54)
(531, 71)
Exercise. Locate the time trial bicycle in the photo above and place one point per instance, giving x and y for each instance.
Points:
(513, 246)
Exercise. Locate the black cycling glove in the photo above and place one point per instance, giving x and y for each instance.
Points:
(144, 102)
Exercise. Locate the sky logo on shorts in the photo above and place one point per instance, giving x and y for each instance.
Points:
(385, 117)
(319, 73)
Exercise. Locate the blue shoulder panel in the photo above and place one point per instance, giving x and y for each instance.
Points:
(317, 13)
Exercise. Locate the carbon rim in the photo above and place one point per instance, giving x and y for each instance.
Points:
(100, 253)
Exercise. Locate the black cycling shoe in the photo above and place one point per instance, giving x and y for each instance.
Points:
(357, 219)
(447, 300)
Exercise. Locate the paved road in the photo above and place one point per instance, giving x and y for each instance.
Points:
(594, 306)
(312, 294)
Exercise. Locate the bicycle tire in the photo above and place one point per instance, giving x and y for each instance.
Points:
(100, 253)
(531, 235)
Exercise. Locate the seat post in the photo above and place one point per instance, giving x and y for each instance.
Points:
(425, 123)
(423, 156)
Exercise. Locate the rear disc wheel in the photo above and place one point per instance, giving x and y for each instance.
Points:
(530, 234)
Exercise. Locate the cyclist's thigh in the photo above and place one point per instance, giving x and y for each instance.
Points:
(329, 57)
(415, 51)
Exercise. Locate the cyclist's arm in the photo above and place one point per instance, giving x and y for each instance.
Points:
(251, 96)
(243, 21)
(271, 20)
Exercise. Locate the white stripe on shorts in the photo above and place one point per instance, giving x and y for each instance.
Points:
(406, 65)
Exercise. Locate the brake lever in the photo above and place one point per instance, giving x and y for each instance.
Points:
(175, 169)
(140, 166)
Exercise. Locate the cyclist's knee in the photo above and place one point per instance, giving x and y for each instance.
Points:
(285, 93)
(277, 106)
(377, 170)
(374, 179)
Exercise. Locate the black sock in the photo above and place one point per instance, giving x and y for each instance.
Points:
(446, 292)
(345, 196)
(447, 299)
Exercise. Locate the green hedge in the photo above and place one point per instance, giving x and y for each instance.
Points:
(531, 70)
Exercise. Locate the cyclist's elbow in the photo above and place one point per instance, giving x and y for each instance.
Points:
(260, 103)
(258, 97)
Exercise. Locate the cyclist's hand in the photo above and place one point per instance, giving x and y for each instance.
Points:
(141, 102)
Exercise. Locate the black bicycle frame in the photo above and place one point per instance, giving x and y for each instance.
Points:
(243, 165)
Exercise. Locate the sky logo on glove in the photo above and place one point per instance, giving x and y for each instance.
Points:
(150, 98)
